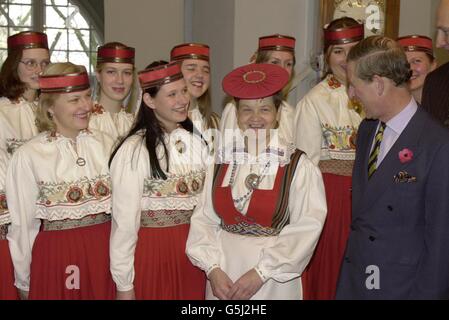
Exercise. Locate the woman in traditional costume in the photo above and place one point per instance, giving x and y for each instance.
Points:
(157, 176)
(263, 206)
(278, 50)
(326, 124)
(419, 51)
(28, 55)
(115, 80)
(59, 196)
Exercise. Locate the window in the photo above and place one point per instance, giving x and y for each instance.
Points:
(74, 28)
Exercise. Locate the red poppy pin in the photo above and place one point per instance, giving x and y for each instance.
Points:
(406, 155)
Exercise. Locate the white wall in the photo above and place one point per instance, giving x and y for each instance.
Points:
(248, 20)
(152, 27)
(213, 24)
(232, 28)
(416, 18)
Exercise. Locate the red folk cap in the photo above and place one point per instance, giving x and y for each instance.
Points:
(417, 43)
(27, 40)
(277, 42)
(344, 35)
(190, 51)
(255, 81)
(115, 54)
(160, 75)
(64, 83)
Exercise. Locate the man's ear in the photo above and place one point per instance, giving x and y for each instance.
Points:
(379, 83)
(148, 100)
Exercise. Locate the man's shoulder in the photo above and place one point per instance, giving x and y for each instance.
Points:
(439, 73)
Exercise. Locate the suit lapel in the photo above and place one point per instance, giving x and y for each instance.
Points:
(360, 175)
(391, 165)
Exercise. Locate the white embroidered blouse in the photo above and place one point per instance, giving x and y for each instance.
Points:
(326, 126)
(17, 123)
(281, 257)
(117, 125)
(286, 124)
(4, 214)
(135, 190)
(45, 181)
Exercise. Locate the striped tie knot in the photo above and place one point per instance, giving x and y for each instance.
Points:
(372, 162)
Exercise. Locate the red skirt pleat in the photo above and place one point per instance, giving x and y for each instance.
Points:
(162, 269)
(319, 280)
(62, 257)
(7, 289)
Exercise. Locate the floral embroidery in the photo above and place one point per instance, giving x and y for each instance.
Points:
(339, 142)
(340, 138)
(195, 185)
(405, 155)
(75, 192)
(98, 109)
(52, 136)
(175, 185)
(182, 188)
(333, 82)
(13, 144)
(3, 203)
(101, 189)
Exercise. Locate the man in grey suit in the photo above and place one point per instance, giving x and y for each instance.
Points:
(398, 247)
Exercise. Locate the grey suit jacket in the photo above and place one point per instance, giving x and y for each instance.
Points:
(398, 247)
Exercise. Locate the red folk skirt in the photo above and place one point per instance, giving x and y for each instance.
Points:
(162, 268)
(72, 264)
(319, 280)
(7, 289)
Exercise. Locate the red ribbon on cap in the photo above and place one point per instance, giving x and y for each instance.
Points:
(416, 43)
(190, 51)
(160, 75)
(64, 83)
(28, 40)
(277, 42)
(344, 35)
(116, 53)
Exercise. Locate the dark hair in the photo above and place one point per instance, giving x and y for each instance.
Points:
(11, 86)
(341, 23)
(277, 100)
(264, 56)
(154, 134)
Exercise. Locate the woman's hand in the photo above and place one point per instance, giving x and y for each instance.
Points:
(246, 286)
(23, 295)
(221, 283)
(126, 295)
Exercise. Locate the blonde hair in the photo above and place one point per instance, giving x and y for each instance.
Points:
(263, 56)
(44, 120)
(133, 92)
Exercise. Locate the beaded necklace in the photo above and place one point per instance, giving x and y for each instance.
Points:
(252, 182)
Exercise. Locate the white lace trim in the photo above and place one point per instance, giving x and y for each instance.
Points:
(169, 203)
(342, 155)
(73, 211)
